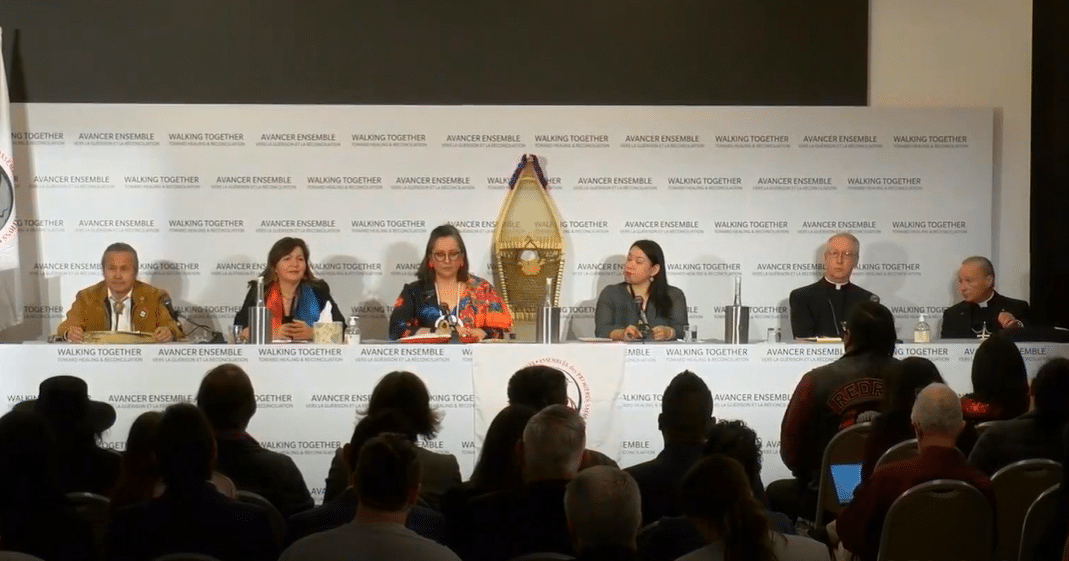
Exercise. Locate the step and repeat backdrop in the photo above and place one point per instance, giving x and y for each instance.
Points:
(203, 191)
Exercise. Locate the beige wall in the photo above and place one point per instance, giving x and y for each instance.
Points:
(967, 53)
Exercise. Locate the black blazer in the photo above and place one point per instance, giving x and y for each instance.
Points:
(320, 289)
(960, 319)
(818, 309)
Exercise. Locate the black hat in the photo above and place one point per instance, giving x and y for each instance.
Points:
(65, 399)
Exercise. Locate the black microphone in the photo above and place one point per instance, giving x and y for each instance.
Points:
(834, 319)
(454, 336)
(217, 336)
(643, 323)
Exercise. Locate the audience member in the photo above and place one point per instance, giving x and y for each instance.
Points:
(341, 510)
(406, 393)
(676, 536)
(1036, 434)
(387, 482)
(77, 423)
(140, 469)
(539, 386)
(34, 516)
(937, 419)
(686, 415)
(191, 516)
(498, 466)
(228, 401)
(715, 494)
(999, 382)
(505, 524)
(828, 399)
(603, 508)
(903, 382)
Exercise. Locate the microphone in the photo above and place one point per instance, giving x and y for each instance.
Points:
(643, 323)
(451, 321)
(834, 318)
(216, 336)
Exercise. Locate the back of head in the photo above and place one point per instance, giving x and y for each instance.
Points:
(227, 398)
(604, 508)
(905, 380)
(387, 473)
(28, 463)
(185, 446)
(553, 444)
(738, 441)
(406, 392)
(498, 467)
(999, 376)
(871, 330)
(383, 421)
(538, 387)
(686, 408)
(716, 495)
(937, 411)
(1050, 390)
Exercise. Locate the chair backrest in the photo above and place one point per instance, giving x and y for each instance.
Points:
(543, 556)
(981, 427)
(846, 447)
(941, 519)
(278, 523)
(1037, 521)
(94, 510)
(902, 451)
(185, 557)
(18, 556)
(1016, 487)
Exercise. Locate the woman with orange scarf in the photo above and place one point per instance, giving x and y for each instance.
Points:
(293, 294)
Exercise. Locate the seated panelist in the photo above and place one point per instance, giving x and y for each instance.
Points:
(981, 307)
(444, 291)
(120, 302)
(643, 306)
(819, 309)
(293, 294)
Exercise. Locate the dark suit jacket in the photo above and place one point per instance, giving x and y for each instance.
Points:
(342, 510)
(320, 289)
(960, 319)
(658, 479)
(92, 312)
(440, 473)
(197, 520)
(818, 309)
(270, 474)
(505, 524)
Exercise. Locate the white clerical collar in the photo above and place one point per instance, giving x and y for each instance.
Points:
(838, 285)
(984, 303)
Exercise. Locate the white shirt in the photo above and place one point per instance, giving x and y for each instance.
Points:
(123, 323)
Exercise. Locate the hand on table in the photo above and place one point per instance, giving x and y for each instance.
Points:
(162, 335)
(1007, 321)
(75, 334)
(663, 333)
(296, 330)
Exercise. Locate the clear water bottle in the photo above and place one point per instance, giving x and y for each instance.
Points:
(352, 331)
(922, 333)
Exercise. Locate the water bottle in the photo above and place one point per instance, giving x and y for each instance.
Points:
(259, 318)
(922, 333)
(352, 332)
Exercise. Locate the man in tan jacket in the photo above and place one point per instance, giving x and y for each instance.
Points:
(120, 302)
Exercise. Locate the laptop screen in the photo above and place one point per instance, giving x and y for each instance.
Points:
(845, 477)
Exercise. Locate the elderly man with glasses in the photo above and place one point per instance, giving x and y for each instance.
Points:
(819, 309)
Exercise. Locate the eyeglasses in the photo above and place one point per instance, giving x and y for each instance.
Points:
(442, 257)
(834, 254)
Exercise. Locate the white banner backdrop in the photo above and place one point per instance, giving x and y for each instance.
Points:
(594, 374)
(203, 191)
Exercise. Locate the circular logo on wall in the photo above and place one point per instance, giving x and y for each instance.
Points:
(578, 389)
(7, 200)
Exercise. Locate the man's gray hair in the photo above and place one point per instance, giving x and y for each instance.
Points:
(553, 443)
(846, 236)
(984, 263)
(938, 410)
(604, 507)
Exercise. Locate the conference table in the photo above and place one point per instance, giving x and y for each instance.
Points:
(309, 397)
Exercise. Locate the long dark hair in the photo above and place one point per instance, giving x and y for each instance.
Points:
(905, 380)
(498, 467)
(282, 248)
(872, 330)
(999, 377)
(659, 285)
(1050, 390)
(425, 273)
(140, 467)
(716, 492)
(406, 392)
